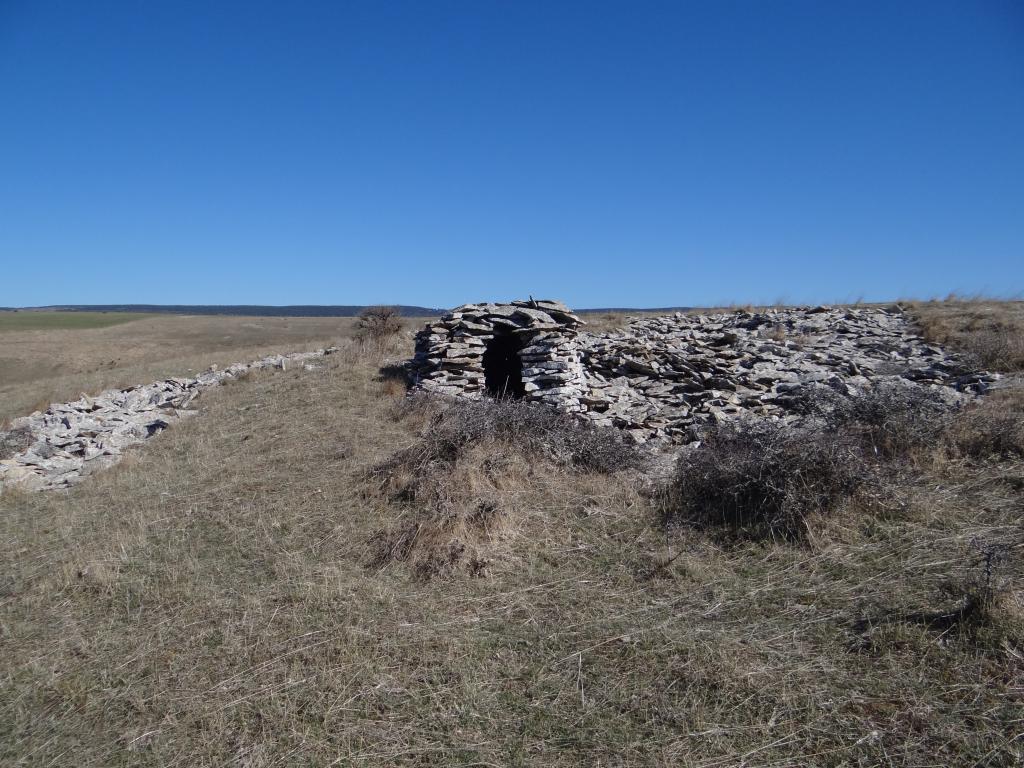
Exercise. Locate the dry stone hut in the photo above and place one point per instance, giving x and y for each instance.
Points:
(667, 378)
(525, 349)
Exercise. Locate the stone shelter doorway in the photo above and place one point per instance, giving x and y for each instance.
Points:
(503, 368)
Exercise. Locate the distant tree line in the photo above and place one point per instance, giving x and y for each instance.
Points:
(249, 310)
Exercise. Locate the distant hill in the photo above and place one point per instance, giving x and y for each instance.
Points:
(248, 310)
(293, 310)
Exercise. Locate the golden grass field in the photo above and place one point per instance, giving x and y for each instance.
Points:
(218, 598)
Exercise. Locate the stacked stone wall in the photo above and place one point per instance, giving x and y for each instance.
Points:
(450, 352)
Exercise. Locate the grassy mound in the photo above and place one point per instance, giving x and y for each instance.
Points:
(462, 482)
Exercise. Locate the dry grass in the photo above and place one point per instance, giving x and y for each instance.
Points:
(990, 333)
(476, 467)
(991, 430)
(212, 602)
(601, 322)
(36, 320)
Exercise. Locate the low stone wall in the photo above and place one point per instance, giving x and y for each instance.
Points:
(67, 442)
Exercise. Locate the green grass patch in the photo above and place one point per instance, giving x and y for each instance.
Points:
(45, 321)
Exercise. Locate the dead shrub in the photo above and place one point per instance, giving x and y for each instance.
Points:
(378, 324)
(765, 479)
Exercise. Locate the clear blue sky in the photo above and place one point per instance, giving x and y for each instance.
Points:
(626, 153)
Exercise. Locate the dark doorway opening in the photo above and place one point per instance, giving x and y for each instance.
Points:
(503, 370)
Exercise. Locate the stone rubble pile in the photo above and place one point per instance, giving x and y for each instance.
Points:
(70, 441)
(665, 378)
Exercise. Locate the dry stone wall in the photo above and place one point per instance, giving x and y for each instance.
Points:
(664, 378)
(67, 442)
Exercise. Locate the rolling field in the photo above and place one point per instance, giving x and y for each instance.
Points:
(289, 578)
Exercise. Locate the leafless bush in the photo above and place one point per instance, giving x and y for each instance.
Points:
(765, 479)
(892, 419)
(378, 324)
